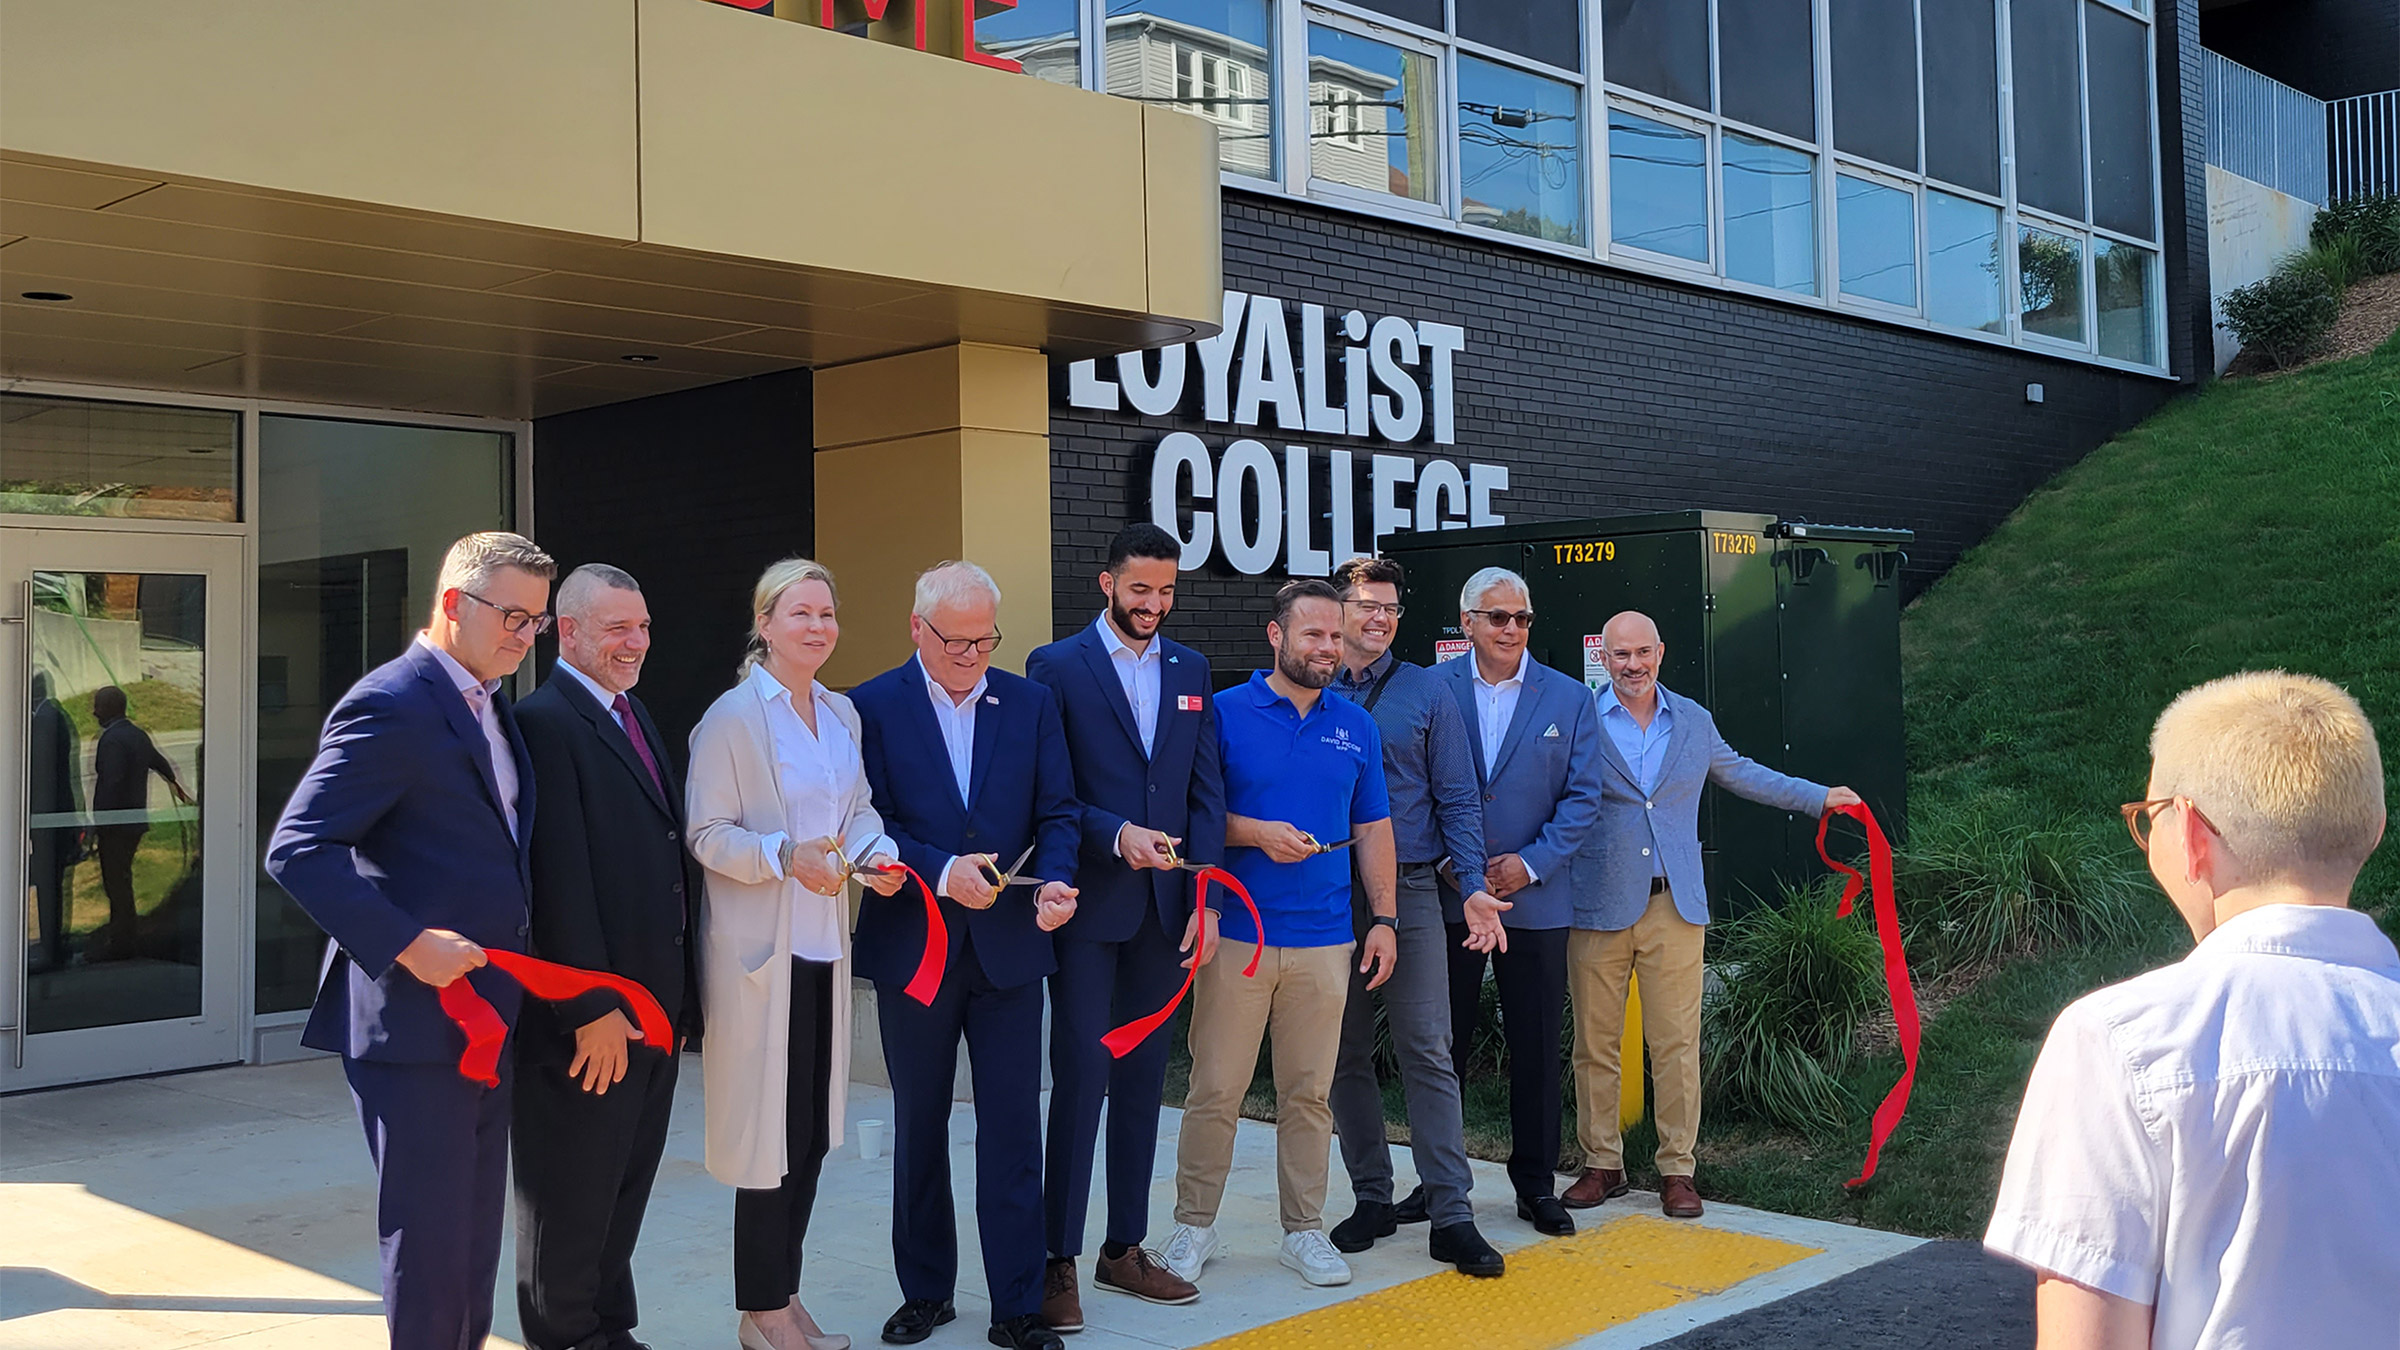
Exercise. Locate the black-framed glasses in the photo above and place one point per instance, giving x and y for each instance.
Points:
(1506, 618)
(514, 620)
(2140, 817)
(1375, 607)
(961, 646)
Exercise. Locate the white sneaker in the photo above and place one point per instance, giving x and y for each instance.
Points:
(1188, 1249)
(1313, 1256)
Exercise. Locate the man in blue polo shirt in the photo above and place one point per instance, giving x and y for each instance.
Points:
(1304, 795)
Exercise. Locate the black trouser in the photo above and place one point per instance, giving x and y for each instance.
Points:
(770, 1225)
(584, 1165)
(1532, 975)
(118, 844)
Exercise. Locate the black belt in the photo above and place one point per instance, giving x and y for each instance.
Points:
(1658, 885)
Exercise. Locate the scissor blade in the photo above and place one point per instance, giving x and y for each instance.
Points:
(1336, 848)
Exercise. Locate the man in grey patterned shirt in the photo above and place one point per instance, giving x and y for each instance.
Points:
(1436, 818)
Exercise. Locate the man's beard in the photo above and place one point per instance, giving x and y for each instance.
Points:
(1122, 617)
(1293, 667)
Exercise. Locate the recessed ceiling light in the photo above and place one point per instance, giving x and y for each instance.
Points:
(48, 297)
(638, 358)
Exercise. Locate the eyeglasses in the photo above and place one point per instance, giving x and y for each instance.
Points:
(1506, 618)
(1375, 607)
(514, 620)
(961, 646)
(2141, 817)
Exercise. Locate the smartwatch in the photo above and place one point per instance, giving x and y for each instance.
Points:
(1388, 921)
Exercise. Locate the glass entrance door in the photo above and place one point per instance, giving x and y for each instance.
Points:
(124, 717)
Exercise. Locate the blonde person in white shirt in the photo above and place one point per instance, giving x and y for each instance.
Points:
(2209, 1154)
(777, 797)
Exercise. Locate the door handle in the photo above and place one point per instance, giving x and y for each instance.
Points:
(15, 1030)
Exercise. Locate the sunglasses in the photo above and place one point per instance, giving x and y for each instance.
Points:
(1506, 618)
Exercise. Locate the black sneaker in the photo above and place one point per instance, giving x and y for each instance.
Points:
(1462, 1245)
(1025, 1332)
(1371, 1220)
(916, 1320)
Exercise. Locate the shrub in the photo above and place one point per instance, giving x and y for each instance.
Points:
(1980, 884)
(2373, 221)
(2341, 260)
(1798, 981)
(2284, 318)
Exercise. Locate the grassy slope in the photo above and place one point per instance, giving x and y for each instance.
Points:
(2254, 525)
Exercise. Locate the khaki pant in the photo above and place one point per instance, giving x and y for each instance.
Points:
(1664, 949)
(1296, 998)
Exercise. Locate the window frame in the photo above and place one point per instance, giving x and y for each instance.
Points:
(1304, 117)
(1919, 254)
(1711, 215)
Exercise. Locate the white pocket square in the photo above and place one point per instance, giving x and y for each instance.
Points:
(1552, 733)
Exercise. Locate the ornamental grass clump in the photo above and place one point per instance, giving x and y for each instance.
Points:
(1980, 884)
(1797, 982)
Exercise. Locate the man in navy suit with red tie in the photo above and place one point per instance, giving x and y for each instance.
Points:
(969, 770)
(407, 842)
(1143, 737)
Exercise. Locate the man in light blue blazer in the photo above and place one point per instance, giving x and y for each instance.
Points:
(1641, 907)
(1535, 740)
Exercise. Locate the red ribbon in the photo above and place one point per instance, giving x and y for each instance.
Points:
(485, 1032)
(1121, 1042)
(928, 980)
(1895, 969)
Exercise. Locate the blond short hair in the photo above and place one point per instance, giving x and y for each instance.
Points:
(949, 583)
(772, 583)
(472, 561)
(2285, 766)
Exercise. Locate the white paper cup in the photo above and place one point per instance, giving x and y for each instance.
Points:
(870, 1139)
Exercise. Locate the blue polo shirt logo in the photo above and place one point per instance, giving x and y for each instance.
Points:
(1322, 773)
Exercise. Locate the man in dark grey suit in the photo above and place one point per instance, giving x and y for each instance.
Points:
(1641, 907)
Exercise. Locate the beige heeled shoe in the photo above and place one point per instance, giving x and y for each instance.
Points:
(752, 1338)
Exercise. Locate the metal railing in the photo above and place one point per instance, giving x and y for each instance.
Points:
(2266, 131)
(2363, 144)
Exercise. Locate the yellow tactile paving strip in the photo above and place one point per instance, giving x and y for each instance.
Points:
(1554, 1294)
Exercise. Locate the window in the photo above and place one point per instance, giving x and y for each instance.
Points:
(1658, 47)
(1520, 152)
(1371, 123)
(1546, 30)
(1213, 58)
(1039, 35)
(1658, 186)
(1962, 94)
(1875, 79)
(1770, 215)
(1770, 73)
(2125, 287)
(2048, 94)
(1423, 13)
(2050, 284)
(74, 457)
(2118, 51)
(1875, 231)
(1962, 264)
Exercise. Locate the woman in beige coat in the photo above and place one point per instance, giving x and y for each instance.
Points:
(777, 796)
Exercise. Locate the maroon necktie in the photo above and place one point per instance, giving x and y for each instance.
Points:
(623, 707)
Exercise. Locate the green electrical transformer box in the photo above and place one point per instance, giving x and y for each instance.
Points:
(1788, 633)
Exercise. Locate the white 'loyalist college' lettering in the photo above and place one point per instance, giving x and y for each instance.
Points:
(1252, 511)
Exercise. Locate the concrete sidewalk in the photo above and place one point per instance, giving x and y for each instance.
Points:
(235, 1208)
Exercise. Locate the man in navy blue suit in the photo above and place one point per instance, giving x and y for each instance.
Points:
(1143, 737)
(406, 841)
(968, 767)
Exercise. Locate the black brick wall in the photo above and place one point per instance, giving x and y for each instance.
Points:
(694, 493)
(1606, 393)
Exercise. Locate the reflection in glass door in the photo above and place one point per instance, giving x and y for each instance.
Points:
(123, 682)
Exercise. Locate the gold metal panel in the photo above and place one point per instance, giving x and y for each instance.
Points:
(33, 353)
(876, 564)
(1185, 220)
(452, 334)
(802, 349)
(521, 112)
(231, 207)
(964, 385)
(78, 188)
(785, 142)
(1006, 474)
(151, 302)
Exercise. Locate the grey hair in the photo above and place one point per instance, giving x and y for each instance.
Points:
(947, 583)
(578, 589)
(772, 583)
(1490, 579)
(473, 560)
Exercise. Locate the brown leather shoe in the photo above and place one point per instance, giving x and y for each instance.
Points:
(1678, 1198)
(1141, 1273)
(1595, 1185)
(1062, 1303)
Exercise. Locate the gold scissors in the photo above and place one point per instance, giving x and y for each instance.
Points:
(850, 869)
(1014, 876)
(1176, 862)
(1328, 848)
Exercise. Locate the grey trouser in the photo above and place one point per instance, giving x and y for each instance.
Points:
(1416, 1003)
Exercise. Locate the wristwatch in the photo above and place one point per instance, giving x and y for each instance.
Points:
(1387, 921)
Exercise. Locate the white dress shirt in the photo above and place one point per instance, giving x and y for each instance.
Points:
(1138, 672)
(814, 770)
(607, 700)
(478, 694)
(2220, 1139)
(957, 722)
(1496, 707)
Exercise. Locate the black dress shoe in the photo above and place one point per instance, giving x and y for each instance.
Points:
(1547, 1215)
(1025, 1332)
(1371, 1220)
(1413, 1209)
(1462, 1245)
(916, 1320)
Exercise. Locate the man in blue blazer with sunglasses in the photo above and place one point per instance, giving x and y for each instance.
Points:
(969, 769)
